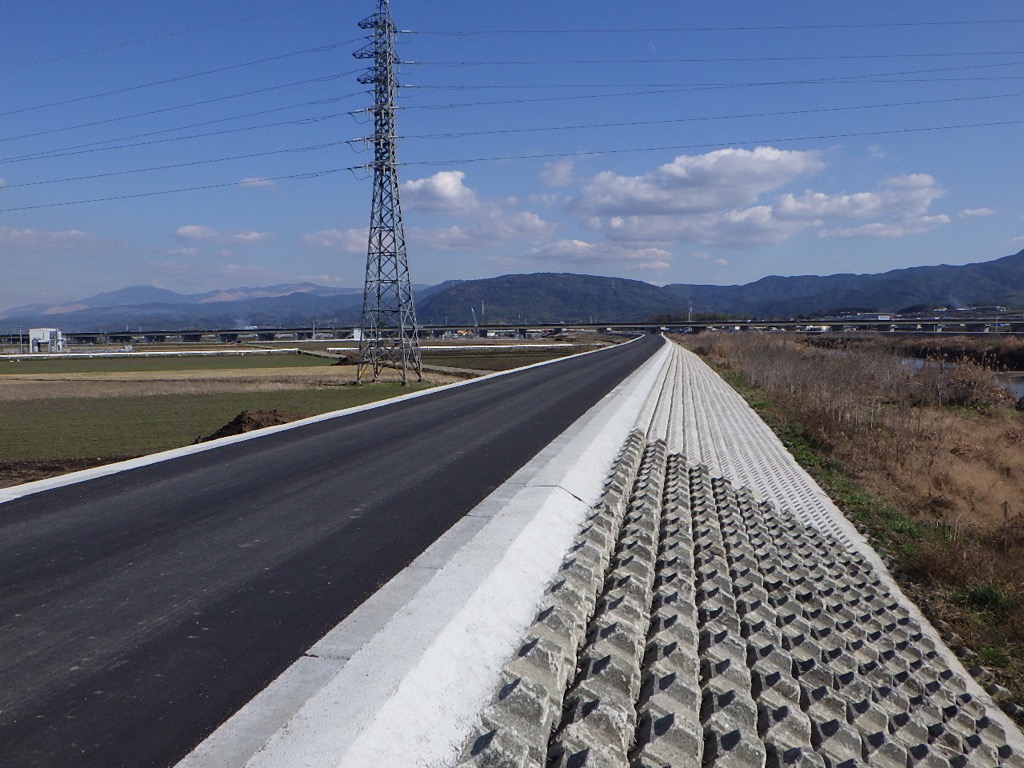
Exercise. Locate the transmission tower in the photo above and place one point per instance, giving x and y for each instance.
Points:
(388, 333)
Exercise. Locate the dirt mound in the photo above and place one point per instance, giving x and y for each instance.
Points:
(247, 421)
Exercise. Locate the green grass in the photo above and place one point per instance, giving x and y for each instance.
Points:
(145, 364)
(135, 426)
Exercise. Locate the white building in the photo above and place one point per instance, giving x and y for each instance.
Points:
(45, 340)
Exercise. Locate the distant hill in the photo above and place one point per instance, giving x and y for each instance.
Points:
(549, 298)
(980, 284)
(553, 298)
(148, 308)
(546, 298)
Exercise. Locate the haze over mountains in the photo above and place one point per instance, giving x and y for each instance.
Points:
(541, 298)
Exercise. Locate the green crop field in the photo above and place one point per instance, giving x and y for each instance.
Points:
(169, 363)
(118, 427)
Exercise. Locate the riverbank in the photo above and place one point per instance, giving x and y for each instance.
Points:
(930, 463)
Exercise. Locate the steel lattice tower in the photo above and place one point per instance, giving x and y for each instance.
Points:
(389, 332)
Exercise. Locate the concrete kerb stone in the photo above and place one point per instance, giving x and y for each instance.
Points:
(440, 631)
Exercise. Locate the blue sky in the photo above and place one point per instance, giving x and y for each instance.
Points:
(664, 141)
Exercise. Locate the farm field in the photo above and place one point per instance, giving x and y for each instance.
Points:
(61, 415)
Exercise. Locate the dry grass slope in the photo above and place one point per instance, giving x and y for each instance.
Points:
(928, 459)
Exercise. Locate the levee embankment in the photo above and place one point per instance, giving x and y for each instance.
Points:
(662, 586)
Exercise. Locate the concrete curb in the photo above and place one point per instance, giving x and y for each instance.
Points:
(402, 680)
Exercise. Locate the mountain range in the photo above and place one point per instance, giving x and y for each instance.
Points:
(542, 299)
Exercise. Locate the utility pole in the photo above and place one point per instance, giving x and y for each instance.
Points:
(389, 335)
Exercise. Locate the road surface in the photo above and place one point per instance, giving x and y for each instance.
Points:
(139, 610)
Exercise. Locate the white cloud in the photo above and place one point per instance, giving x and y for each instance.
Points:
(28, 241)
(3, 183)
(492, 227)
(203, 272)
(256, 181)
(704, 256)
(717, 200)
(581, 254)
(725, 178)
(737, 228)
(443, 192)
(890, 229)
(711, 199)
(481, 223)
(974, 213)
(818, 205)
(558, 173)
(196, 233)
(902, 205)
(348, 240)
(907, 196)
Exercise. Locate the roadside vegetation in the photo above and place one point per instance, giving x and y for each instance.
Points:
(927, 460)
(61, 366)
(60, 415)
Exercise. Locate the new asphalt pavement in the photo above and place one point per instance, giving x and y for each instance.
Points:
(139, 610)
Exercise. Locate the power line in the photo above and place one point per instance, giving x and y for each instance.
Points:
(164, 36)
(135, 195)
(713, 60)
(188, 164)
(96, 146)
(705, 118)
(180, 78)
(535, 156)
(658, 91)
(633, 150)
(299, 121)
(830, 80)
(675, 30)
(204, 102)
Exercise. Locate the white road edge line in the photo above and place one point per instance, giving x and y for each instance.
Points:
(401, 681)
(25, 489)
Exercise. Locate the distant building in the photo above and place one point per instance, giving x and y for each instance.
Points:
(46, 340)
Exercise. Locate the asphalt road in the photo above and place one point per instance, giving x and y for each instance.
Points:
(139, 611)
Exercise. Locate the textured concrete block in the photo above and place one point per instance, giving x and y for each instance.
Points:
(863, 715)
(497, 749)
(599, 726)
(726, 747)
(836, 741)
(665, 738)
(795, 757)
(882, 751)
(907, 730)
(783, 727)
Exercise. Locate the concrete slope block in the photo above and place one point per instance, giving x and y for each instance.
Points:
(716, 610)
(600, 706)
(514, 729)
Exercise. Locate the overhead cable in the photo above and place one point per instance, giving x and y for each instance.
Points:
(178, 79)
